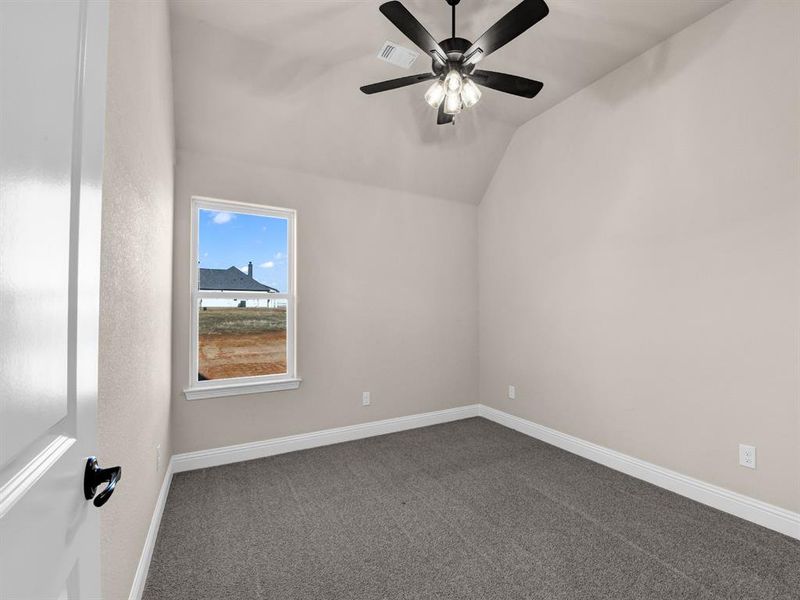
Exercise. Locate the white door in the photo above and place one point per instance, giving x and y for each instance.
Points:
(52, 109)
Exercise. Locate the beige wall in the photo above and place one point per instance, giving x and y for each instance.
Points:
(136, 276)
(639, 257)
(387, 303)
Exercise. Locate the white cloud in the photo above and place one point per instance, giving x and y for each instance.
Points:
(222, 217)
(278, 255)
(267, 265)
(243, 269)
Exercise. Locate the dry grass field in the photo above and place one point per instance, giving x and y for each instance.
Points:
(241, 342)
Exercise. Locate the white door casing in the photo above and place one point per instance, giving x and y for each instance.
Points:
(52, 112)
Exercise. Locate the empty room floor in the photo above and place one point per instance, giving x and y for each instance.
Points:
(465, 510)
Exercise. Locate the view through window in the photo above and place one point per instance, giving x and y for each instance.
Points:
(243, 293)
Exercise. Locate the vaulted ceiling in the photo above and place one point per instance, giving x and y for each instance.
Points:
(276, 83)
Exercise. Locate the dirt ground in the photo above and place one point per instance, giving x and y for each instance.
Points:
(241, 342)
(242, 355)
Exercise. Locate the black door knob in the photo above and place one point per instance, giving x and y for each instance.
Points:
(94, 476)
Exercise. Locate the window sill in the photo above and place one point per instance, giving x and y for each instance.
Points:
(239, 389)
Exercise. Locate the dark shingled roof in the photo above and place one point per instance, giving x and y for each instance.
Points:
(232, 280)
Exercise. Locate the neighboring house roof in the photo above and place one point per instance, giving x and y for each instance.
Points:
(232, 280)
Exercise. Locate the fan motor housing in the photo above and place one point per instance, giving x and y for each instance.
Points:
(454, 48)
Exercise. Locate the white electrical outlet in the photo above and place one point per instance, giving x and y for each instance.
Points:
(512, 392)
(158, 457)
(365, 399)
(747, 456)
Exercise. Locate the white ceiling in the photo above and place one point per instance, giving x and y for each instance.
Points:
(276, 83)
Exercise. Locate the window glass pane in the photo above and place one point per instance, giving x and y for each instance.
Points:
(241, 338)
(239, 251)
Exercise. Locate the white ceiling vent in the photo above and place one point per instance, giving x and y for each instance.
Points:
(397, 55)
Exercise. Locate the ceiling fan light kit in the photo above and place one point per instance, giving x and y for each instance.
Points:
(453, 60)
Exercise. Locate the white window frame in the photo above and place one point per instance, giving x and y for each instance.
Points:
(198, 390)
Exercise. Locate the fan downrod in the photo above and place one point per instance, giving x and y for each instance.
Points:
(453, 46)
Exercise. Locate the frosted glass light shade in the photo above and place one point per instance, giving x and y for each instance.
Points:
(435, 94)
(452, 103)
(470, 93)
(453, 81)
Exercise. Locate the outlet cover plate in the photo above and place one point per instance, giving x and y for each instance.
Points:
(747, 456)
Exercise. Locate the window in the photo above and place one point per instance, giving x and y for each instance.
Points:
(242, 299)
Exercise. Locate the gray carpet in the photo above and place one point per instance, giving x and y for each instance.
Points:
(466, 510)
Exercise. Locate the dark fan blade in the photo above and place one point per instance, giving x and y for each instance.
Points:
(393, 84)
(510, 84)
(443, 118)
(521, 18)
(413, 29)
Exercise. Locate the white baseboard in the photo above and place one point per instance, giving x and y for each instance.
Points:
(231, 454)
(139, 579)
(750, 509)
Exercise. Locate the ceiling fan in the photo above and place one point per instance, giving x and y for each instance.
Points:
(454, 59)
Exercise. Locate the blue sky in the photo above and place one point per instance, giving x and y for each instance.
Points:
(229, 239)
